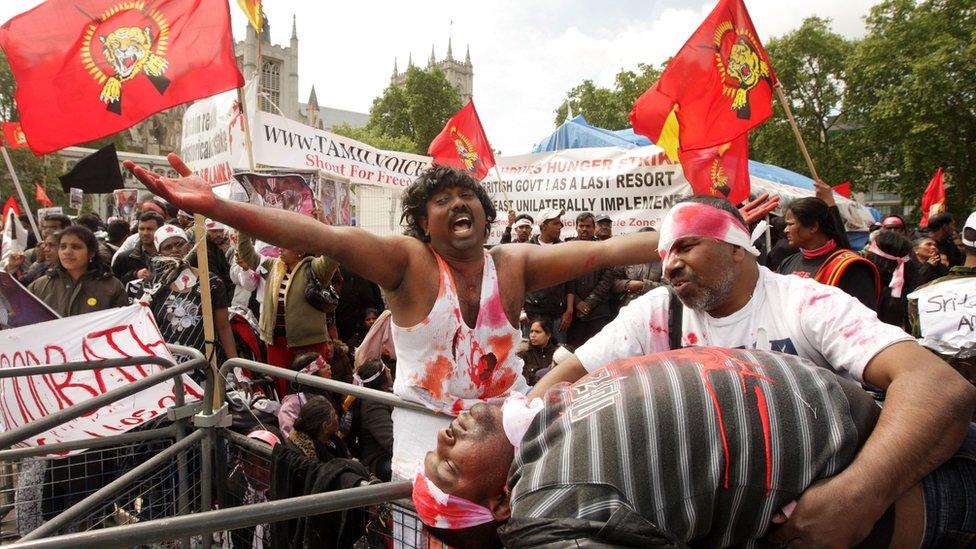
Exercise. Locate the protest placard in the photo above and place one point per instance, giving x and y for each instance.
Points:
(123, 332)
(125, 203)
(947, 315)
(75, 198)
(285, 191)
(19, 307)
(44, 212)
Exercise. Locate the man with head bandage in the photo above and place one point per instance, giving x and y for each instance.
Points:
(722, 297)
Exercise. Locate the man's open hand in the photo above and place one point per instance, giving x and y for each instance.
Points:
(757, 209)
(190, 192)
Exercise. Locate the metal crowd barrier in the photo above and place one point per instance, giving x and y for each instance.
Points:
(210, 452)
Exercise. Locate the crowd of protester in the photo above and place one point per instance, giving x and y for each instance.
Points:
(307, 313)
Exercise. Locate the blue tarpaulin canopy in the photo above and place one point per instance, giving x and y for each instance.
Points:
(578, 134)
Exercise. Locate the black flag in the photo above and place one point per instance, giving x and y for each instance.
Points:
(96, 173)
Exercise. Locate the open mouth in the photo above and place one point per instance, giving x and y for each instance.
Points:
(462, 224)
(745, 71)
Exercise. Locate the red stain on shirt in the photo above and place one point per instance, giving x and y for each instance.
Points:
(436, 373)
(655, 329)
(815, 299)
(692, 338)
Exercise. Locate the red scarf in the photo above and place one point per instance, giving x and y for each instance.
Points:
(817, 252)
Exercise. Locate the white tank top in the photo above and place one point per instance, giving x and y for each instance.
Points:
(446, 365)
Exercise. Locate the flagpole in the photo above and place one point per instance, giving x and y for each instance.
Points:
(20, 192)
(796, 130)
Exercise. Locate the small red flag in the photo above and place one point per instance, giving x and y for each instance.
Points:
(844, 189)
(721, 81)
(934, 198)
(463, 144)
(721, 171)
(89, 68)
(13, 135)
(11, 204)
(41, 195)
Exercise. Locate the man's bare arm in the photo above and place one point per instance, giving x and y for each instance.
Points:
(927, 410)
(568, 370)
(549, 265)
(383, 260)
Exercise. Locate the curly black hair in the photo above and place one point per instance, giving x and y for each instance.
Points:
(433, 180)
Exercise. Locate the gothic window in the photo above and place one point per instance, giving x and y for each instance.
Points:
(270, 86)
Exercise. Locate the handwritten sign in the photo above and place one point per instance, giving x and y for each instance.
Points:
(947, 314)
(124, 332)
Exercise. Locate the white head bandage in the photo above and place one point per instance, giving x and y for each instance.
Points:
(695, 219)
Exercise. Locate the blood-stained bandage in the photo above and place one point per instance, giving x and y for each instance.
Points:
(701, 220)
(441, 510)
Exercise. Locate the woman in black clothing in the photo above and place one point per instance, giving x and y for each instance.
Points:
(372, 421)
(891, 252)
(538, 355)
(812, 226)
(314, 433)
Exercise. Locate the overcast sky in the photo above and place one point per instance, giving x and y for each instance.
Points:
(526, 54)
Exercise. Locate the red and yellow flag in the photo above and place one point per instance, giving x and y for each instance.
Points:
(721, 171)
(934, 198)
(13, 135)
(252, 9)
(89, 68)
(463, 144)
(717, 87)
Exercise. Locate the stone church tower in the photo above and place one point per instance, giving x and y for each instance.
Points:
(459, 73)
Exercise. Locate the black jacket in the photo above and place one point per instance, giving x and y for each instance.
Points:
(548, 302)
(375, 437)
(292, 474)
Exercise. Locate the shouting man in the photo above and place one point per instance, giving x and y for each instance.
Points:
(455, 307)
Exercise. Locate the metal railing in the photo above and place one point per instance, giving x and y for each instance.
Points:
(208, 423)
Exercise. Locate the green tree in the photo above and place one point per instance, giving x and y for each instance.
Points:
(810, 62)
(911, 88)
(385, 142)
(605, 107)
(409, 118)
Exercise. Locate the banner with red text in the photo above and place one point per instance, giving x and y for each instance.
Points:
(635, 187)
(115, 333)
(284, 143)
(212, 142)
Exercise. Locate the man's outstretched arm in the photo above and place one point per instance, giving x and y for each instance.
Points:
(380, 259)
(927, 410)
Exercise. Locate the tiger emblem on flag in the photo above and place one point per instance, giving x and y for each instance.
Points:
(739, 64)
(133, 42)
(465, 149)
(129, 50)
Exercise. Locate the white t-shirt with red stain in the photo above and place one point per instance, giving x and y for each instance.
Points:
(786, 313)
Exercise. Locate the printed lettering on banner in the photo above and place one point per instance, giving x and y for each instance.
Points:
(124, 332)
(212, 144)
(947, 314)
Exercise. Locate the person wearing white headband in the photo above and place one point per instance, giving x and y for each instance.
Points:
(722, 297)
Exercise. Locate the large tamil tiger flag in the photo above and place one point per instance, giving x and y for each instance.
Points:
(463, 144)
(717, 88)
(89, 68)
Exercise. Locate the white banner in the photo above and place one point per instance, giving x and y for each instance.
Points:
(212, 143)
(947, 315)
(635, 187)
(284, 143)
(115, 333)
